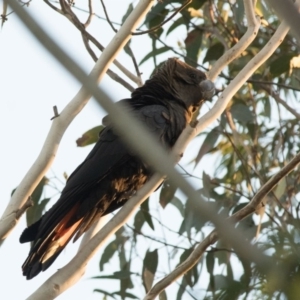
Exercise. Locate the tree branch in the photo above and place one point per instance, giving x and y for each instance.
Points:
(107, 17)
(109, 72)
(71, 16)
(242, 77)
(242, 44)
(91, 14)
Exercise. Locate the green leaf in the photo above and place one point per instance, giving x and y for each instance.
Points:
(191, 276)
(139, 221)
(280, 188)
(177, 23)
(237, 65)
(248, 227)
(167, 193)
(207, 186)
(149, 268)
(220, 282)
(37, 193)
(185, 254)
(191, 218)
(163, 295)
(153, 53)
(229, 272)
(126, 295)
(262, 10)
(104, 293)
(222, 257)
(281, 64)
(246, 277)
(89, 137)
(239, 207)
(208, 143)
(12, 192)
(193, 42)
(123, 274)
(197, 3)
(252, 129)
(128, 12)
(238, 13)
(214, 52)
(147, 215)
(33, 213)
(39, 209)
(182, 289)
(156, 16)
(178, 204)
(125, 280)
(210, 263)
(267, 111)
(241, 113)
(108, 253)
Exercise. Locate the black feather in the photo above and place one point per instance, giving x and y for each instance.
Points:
(112, 173)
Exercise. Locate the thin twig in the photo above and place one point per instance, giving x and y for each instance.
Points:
(91, 13)
(136, 66)
(4, 14)
(54, 7)
(215, 249)
(109, 72)
(285, 86)
(107, 17)
(165, 21)
(65, 7)
(86, 36)
(154, 238)
(55, 111)
(277, 98)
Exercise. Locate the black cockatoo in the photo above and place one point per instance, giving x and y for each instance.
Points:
(111, 173)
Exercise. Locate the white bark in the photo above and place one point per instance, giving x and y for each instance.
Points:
(234, 52)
